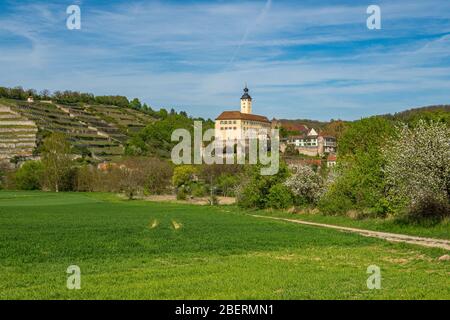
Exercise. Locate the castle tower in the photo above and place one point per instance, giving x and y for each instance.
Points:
(246, 102)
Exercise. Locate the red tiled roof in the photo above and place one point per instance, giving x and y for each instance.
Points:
(237, 115)
(294, 127)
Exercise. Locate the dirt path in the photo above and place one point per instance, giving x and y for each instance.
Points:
(199, 201)
(394, 237)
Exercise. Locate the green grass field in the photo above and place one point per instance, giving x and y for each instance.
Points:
(212, 253)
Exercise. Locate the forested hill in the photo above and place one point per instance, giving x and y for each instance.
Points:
(436, 113)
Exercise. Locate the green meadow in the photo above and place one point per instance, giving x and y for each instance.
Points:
(146, 250)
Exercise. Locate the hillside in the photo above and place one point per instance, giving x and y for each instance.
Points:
(96, 131)
(101, 128)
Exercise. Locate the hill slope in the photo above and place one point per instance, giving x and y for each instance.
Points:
(96, 131)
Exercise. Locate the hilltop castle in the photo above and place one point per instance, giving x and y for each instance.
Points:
(239, 125)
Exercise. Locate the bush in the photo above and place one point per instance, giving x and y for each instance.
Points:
(279, 197)
(213, 200)
(333, 202)
(29, 176)
(199, 190)
(428, 208)
(227, 184)
(181, 194)
(184, 175)
(248, 195)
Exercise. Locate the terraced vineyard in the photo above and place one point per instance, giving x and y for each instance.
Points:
(98, 131)
(17, 134)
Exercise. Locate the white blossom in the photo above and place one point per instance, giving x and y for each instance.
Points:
(418, 163)
(305, 183)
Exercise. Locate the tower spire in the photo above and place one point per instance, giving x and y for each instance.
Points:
(246, 101)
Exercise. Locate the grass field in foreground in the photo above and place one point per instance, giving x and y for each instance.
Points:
(214, 253)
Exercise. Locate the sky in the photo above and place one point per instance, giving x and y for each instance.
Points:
(301, 59)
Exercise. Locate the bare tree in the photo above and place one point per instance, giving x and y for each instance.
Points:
(56, 158)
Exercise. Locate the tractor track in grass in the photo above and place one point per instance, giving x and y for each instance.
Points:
(393, 237)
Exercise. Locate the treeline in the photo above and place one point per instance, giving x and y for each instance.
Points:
(68, 97)
(57, 170)
(438, 113)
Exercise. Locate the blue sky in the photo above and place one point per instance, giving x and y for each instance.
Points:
(301, 59)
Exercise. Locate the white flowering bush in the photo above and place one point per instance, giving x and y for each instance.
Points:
(305, 184)
(417, 169)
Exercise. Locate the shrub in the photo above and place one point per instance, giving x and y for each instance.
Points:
(184, 175)
(29, 176)
(227, 184)
(181, 194)
(213, 200)
(429, 207)
(334, 202)
(199, 190)
(248, 195)
(279, 197)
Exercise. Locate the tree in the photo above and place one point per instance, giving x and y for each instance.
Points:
(418, 169)
(29, 176)
(360, 183)
(131, 178)
(158, 175)
(135, 104)
(255, 188)
(305, 184)
(335, 128)
(56, 159)
(45, 94)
